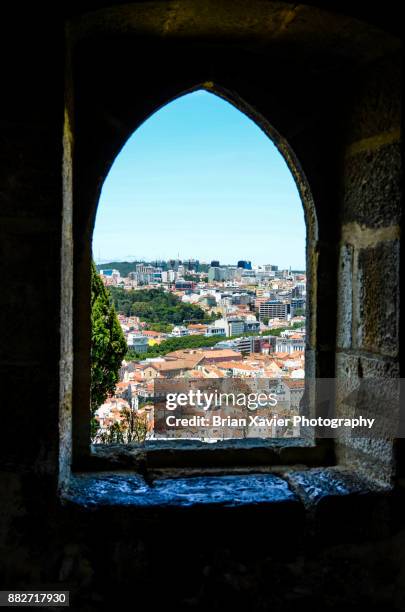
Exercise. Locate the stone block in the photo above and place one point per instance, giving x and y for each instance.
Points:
(372, 187)
(376, 299)
(368, 386)
(341, 505)
(373, 107)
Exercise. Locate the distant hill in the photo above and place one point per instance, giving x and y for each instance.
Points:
(123, 267)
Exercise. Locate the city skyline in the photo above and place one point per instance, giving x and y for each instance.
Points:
(208, 262)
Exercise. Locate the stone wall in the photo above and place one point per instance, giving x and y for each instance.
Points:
(326, 88)
(369, 270)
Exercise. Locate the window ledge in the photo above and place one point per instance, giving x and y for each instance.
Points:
(333, 503)
(133, 490)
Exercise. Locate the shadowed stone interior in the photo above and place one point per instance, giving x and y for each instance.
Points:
(323, 80)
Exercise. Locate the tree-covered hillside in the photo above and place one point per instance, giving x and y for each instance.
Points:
(156, 306)
(123, 267)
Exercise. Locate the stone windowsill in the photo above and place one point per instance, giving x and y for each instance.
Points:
(300, 487)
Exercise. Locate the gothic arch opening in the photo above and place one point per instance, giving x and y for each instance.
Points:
(199, 178)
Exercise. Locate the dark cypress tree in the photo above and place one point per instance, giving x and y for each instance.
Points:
(108, 346)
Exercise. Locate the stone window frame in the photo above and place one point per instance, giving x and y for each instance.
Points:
(255, 452)
(77, 228)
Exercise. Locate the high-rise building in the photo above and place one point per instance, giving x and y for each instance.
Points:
(169, 276)
(246, 265)
(183, 284)
(192, 264)
(215, 263)
(174, 264)
(214, 273)
(268, 268)
(110, 272)
(299, 290)
(297, 304)
(227, 273)
(147, 274)
(274, 309)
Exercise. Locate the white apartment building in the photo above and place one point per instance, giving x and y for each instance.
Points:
(274, 309)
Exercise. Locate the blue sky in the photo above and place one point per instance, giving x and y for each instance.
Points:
(200, 180)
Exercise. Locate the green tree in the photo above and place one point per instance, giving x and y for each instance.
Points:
(132, 428)
(164, 328)
(157, 306)
(108, 346)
